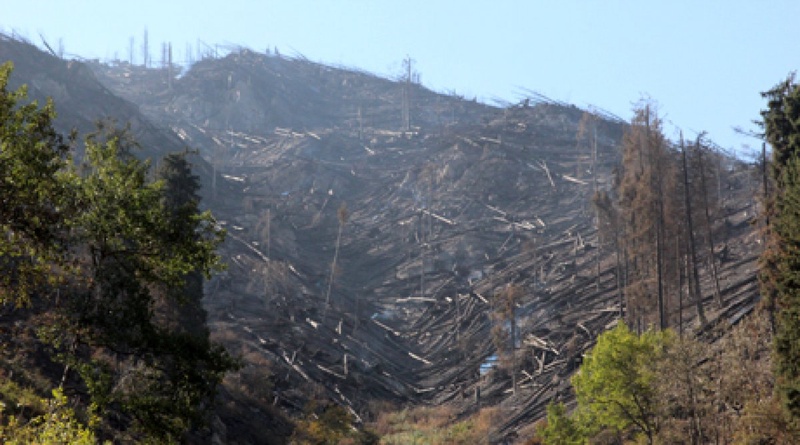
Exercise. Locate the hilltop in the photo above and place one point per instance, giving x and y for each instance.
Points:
(447, 202)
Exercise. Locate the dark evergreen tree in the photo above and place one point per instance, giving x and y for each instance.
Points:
(124, 256)
(780, 276)
(32, 156)
(184, 310)
(142, 247)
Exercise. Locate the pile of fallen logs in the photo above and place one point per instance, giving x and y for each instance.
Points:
(442, 217)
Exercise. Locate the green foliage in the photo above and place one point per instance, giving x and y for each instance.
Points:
(615, 387)
(781, 122)
(332, 425)
(693, 392)
(124, 256)
(124, 217)
(616, 381)
(786, 226)
(560, 427)
(58, 425)
(780, 276)
(140, 245)
(32, 158)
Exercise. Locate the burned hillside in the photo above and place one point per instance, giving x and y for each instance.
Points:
(373, 224)
(80, 100)
(442, 215)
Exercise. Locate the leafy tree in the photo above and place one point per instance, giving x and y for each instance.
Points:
(32, 158)
(124, 256)
(184, 310)
(780, 279)
(560, 428)
(615, 386)
(59, 425)
(142, 246)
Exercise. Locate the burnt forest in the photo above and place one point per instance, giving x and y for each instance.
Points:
(390, 264)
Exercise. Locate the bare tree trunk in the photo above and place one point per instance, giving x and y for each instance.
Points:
(594, 191)
(680, 269)
(659, 222)
(619, 278)
(662, 320)
(169, 61)
(765, 210)
(342, 214)
(269, 238)
(145, 50)
(333, 266)
(514, 345)
(709, 232)
(694, 286)
(422, 254)
(625, 276)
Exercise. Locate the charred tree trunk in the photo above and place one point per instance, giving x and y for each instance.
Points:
(709, 231)
(694, 286)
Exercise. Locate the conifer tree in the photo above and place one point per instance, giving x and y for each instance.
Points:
(140, 245)
(116, 250)
(780, 276)
(32, 158)
(648, 206)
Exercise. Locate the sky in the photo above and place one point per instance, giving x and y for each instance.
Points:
(703, 62)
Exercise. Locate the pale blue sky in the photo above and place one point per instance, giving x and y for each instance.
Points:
(704, 62)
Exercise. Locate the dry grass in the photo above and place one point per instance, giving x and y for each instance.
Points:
(434, 426)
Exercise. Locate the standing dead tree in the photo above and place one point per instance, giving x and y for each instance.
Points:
(609, 228)
(504, 333)
(694, 276)
(649, 211)
(342, 215)
(145, 50)
(703, 171)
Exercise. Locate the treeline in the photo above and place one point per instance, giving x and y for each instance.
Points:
(652, 385)
(658, 222)
(102, 261)
(658, 388)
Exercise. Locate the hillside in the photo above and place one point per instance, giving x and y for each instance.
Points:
(448, 201)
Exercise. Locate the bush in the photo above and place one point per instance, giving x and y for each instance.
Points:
(58, 425)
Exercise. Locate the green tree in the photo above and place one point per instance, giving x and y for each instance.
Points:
(615, 386)
(184, 310)
(561, 429)
(124, 257)
(141, 245)
(32, 158)
(59, 425)
(780, 275)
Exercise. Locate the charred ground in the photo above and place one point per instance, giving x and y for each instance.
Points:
(445, 208)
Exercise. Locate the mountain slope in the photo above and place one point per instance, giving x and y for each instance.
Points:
(442, 218)
(443, 214)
